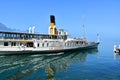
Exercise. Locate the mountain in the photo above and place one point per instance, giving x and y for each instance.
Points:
(3, 27)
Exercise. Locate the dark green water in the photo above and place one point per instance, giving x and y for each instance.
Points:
(94, 64)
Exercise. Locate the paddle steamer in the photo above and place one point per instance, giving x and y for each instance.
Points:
(30, 42)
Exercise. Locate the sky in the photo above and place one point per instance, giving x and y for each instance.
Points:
(100, 16)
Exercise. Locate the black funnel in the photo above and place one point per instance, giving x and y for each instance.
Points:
(52, 19)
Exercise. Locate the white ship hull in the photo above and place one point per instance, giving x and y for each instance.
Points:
(44, 50)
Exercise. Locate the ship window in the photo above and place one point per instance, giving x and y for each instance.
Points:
(38, 44)
(5, 43)
(13, 44)
(29, 44)
(59, 32)
(68, 44)
(65, 44)
(76, 42)
(47, 44)
(42, 44)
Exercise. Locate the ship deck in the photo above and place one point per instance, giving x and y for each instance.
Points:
(26, 35)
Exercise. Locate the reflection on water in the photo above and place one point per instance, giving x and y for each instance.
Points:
(21, 66)
(116, 56)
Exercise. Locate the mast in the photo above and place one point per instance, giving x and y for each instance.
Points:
(84, 29)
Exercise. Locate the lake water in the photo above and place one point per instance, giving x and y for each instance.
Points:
(93, 64)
